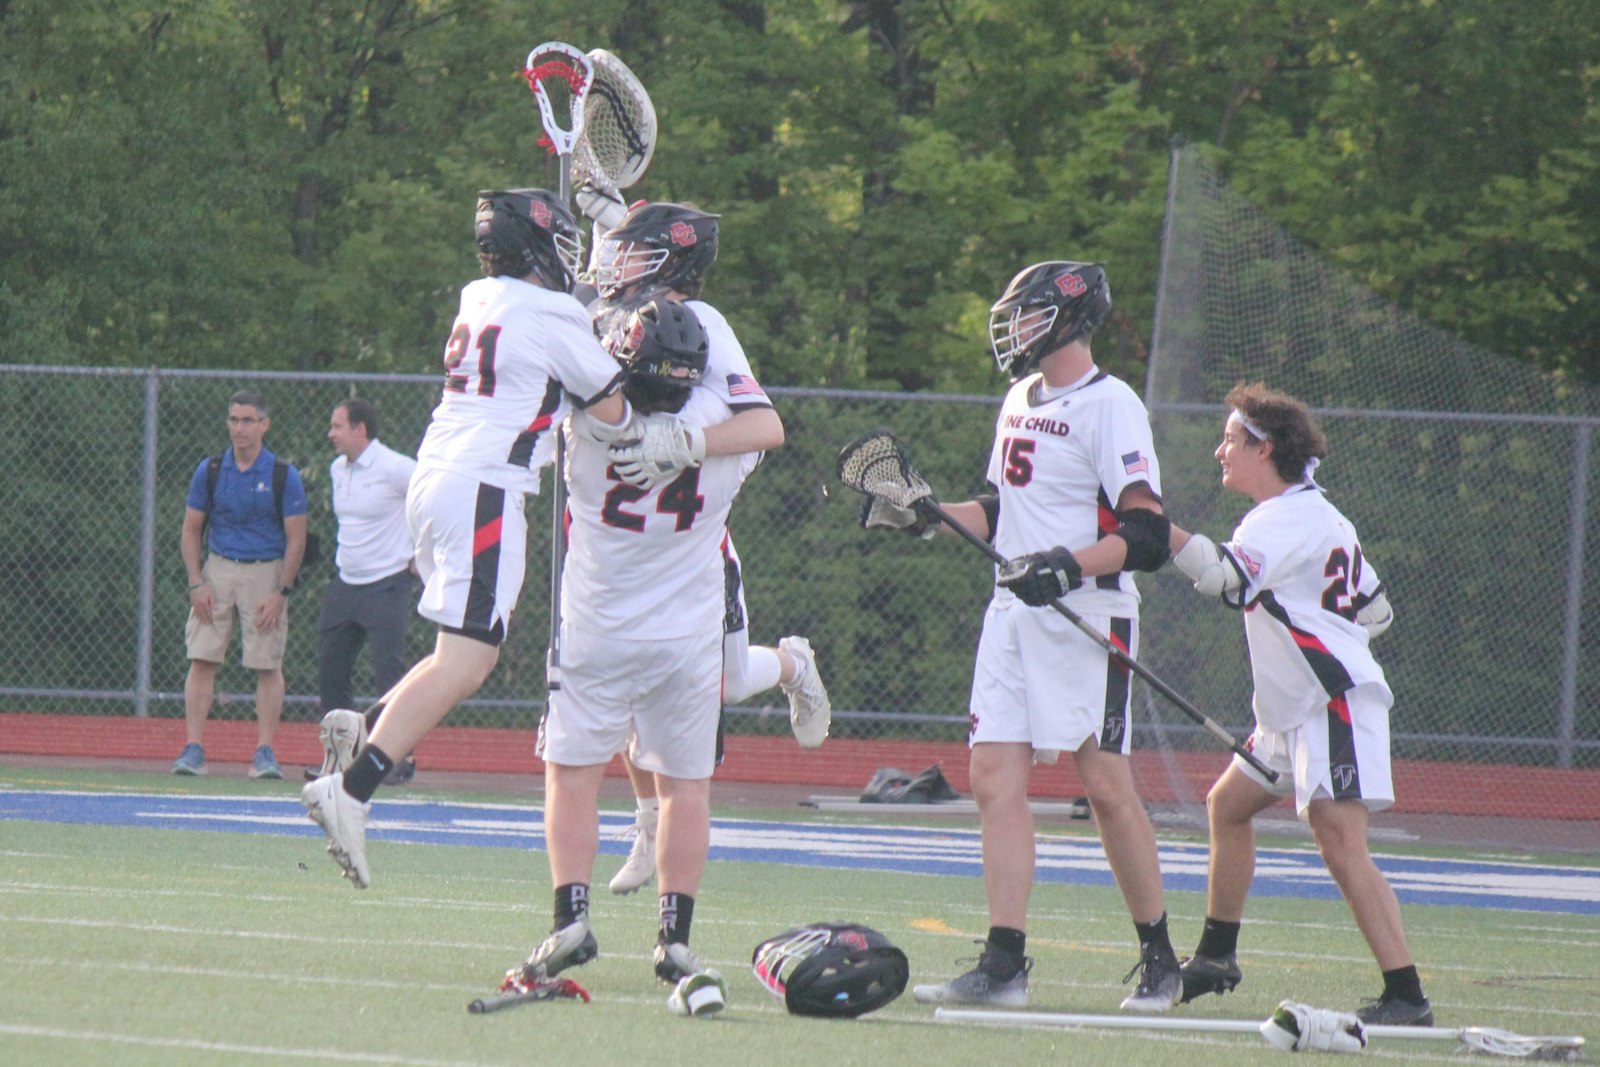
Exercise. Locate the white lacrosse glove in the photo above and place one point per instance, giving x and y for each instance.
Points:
(878, 512)
(602, 202)
(666, 446)
(625, 432)
(1302, 1028)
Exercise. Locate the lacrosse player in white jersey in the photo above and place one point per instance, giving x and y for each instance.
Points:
(641, 643)
(1311, 601)
(1075, 506)
(641, 252)
(519, 356)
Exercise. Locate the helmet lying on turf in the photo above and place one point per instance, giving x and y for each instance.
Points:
(832, 970)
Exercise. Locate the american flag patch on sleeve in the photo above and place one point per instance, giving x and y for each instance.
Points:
(744, 385)
(1135, 463)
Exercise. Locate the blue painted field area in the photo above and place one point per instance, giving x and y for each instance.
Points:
(906, 849)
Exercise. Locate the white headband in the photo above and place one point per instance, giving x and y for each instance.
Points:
(1307, 476)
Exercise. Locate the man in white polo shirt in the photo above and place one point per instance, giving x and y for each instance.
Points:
(371, 598)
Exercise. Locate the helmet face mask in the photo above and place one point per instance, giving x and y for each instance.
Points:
(532, 231)
(1046, 306)
(831, 970)
(662, 245)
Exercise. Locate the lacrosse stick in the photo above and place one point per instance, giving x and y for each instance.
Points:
(1481, 1039)
(875, 464)
(618, 136)
(559, 74)
(515, 990)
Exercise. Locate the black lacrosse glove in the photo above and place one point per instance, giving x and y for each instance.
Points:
(918, 520)
(1040, 577)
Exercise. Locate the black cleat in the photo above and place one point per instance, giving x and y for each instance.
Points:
(1209, 974)
(1393, 1011)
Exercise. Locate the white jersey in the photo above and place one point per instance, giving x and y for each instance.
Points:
(1304, 577)
(648, 562)
(369, 500)
(516, 353)
(1061, 463)
(728, 373)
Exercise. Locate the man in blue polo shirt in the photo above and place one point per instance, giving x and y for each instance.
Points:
(253, 548)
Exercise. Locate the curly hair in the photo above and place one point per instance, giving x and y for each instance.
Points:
(1286, 422)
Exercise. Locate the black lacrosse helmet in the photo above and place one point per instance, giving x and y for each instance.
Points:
(1046, 306)
(663, 245)
(663, 347)
(831, 970)
(533, 230)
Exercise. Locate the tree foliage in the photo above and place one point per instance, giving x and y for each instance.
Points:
(269, 184)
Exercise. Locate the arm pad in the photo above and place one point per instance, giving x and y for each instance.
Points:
(603, 432)
(1146, 533)
(990, 503)
(1205, 565)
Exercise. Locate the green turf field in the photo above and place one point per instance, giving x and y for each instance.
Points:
(127, 947)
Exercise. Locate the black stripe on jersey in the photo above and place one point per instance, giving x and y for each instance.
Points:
(1344, 769)
(612, 386)
(1323, 663)
(522, 448)
(1114, 724)
(1106, 523)
(732, 612)
(486, 523)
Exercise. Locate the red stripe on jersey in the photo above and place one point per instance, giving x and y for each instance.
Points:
(539, 425)
(1340, 707)
(486, 537)
(1106, 518)
(1121, 646)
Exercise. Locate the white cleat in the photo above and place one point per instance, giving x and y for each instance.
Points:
(344, 819)
(641, 863)
(810, 710)
(343, 733)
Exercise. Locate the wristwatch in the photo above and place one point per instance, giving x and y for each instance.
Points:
(287, 590)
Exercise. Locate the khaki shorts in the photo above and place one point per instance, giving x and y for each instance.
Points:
(239, 589)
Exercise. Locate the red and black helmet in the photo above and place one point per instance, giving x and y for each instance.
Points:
(534, 229)
(666, 246)
(1046, 306)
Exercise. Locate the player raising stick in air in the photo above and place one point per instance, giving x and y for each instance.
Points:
(1076, 506)
(519, 355)
(1311, 601)
(666, 248)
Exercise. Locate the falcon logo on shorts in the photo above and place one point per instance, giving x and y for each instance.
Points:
(1071, 285)
(682, 234)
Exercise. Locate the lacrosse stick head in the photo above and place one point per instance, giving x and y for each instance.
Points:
(619, 126)
(877, 465)
(560, 77)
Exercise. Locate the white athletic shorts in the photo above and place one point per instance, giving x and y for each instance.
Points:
(1342, 754)
(1039, 679)
(664, 696)
(472, 547)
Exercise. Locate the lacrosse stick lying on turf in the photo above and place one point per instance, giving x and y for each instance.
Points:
(876, 465)
(519, 990)
(1486, 1040)
(560, 77)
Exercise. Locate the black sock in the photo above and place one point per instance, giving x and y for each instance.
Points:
(366, 772)
(1404, 984)
(1008, 940)
(1003, 953)
(1154, 935)
(371, 715)
(677, 914)
(572, 903)
(1218, 939)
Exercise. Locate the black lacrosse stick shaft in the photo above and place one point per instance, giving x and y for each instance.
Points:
(1116, 653)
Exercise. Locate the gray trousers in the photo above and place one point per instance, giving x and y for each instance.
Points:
(377, 614)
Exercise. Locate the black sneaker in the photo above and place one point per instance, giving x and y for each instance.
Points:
(1393, 1011)
(1209, 974)
(1160, 983)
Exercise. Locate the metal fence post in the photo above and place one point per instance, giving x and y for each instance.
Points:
(147, 547)
(1566, 720)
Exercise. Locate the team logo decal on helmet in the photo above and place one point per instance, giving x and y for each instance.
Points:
(832, 970)
(1046, 306)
